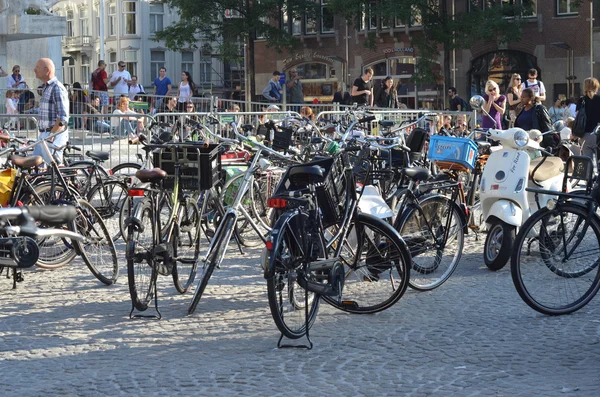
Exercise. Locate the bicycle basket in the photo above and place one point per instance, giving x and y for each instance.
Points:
(200, 166)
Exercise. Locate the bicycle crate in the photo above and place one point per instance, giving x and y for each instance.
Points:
(451, 149)
(200, 166)
(283, 139)
(331, 194)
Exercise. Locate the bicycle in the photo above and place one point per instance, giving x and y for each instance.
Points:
(554, 263)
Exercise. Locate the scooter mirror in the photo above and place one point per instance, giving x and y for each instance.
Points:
(477, 102)
(558, 126)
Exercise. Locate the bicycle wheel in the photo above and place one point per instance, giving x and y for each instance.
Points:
(377, 264)
(186, 246)
(287, 299)
(227, 197)
(435, 249)
(555, 264)
(108, 198)
(55, 252)
(125, 172)
(139, 252)
(215, 256)
(98, 249)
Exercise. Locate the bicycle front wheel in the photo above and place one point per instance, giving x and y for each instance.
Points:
(287, 299)
(98, 249)
(215, 256)
(377, 264)
(434, 232)
(187, 246)
(139, 252)
(555, 260)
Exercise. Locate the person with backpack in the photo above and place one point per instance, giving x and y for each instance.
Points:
(536, 85)
(272, 91)
(99, 85)
(456, 102)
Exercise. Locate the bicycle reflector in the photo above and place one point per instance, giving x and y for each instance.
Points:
(277, 203)
(269, 245)
(135, 193)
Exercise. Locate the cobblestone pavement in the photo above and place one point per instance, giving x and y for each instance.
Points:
(64, 334)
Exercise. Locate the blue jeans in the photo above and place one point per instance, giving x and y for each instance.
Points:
(101, 126)
(125, 128)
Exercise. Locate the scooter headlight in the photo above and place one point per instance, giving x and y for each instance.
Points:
(521, 138)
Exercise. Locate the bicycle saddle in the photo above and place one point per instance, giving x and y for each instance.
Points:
(98, 156)
(386, 123)
(416, 173)
(153, 175)
(27, 162)
(313, 173)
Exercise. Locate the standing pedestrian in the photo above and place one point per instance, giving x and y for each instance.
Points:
(99, 83)
(295, 87)
(536, 85)
(362, 89)
(135, 89)
(457, 104)
(590, 102)
(534, 116)
(387, 96)
(272, 91)
(495, 105)
(556, 111)
(16, 80)
(53, 110)
(162, 87)
(120, 80)
(185, 91)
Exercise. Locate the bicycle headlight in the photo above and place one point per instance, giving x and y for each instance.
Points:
(521, 138)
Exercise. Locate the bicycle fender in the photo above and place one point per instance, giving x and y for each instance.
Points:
(282, 221)
(506, 211)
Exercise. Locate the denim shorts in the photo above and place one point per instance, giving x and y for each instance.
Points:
(103, 95)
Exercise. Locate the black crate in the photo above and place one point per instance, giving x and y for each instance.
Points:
(282, 139)
(331, 194)
(200, 166)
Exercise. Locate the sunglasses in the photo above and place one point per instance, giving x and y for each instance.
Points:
(491, 90)
(518, 78)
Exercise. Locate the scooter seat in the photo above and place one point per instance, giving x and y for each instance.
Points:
(550, 168)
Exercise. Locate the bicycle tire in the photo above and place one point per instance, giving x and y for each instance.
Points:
(433, 260)
(289, 311)
(386, 257)
(140, 267)
(126, 172)
(108, 198)
(215, 256)
(97, 244)
(535, 275)
(186, 242)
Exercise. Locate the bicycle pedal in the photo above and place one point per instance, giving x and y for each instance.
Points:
(352, 305)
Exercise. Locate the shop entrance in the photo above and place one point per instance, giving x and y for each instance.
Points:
(499, 66)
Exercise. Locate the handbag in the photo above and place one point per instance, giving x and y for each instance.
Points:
(580, 121)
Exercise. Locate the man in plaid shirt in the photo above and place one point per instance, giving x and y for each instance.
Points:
(54, 108)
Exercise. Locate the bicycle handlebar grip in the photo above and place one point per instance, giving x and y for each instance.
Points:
(52, 214)
(405, 148)
(366, 119)
(353, 148)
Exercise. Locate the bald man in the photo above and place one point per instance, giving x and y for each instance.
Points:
(54, 108)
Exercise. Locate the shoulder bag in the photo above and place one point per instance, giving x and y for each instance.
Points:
(580, 121)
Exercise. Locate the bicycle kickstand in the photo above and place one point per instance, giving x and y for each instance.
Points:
(306, 325)
(157, 316)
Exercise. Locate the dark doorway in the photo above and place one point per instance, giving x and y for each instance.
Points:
(499, 66)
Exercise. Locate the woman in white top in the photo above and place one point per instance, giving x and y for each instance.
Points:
(125, 126)
(11, 108)
(15, 80)
(185, 92)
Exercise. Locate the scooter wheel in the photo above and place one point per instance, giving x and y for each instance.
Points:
(498, 244)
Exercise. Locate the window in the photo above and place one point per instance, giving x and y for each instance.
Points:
(157, 11)
(310, 25)
(85, 67)
(565, 7)
(398, 23)
(312, 70)
(112, 62)
(130, 59)
(530, 8)
(157, 61)
(205, 70)
(372, 16)
(326, 18)
(129, 25)
(97, 25)
(416, 19)
(112, 20)
(187, 61)
(70, 23)
(84, 23)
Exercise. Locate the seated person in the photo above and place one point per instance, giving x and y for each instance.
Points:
(95, 124)
(168, 105)
(124, 126)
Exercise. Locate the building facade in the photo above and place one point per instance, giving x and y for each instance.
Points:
(129, 27)
(558, 40)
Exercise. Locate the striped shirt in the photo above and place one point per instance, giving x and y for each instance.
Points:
(54, 104)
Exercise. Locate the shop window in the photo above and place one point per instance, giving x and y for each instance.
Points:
(400, 66)
(312, 71)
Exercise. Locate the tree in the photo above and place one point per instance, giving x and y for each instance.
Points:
(486, 20)
(205, 21)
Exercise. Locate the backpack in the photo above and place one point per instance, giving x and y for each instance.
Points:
(464, 105)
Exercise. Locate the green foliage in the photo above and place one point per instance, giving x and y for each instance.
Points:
(33, 11)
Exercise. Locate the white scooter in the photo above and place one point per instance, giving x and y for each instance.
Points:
(505, 203)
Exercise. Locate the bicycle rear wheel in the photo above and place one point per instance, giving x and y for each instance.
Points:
(140, 261)
(98, 249)
(108, 198)
(287, 299)
(377, 264)
(435, 249)
(187, 246)
(555, 263)
(215, 256)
